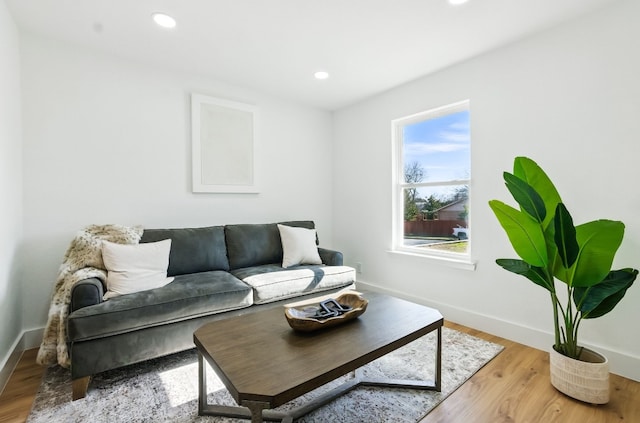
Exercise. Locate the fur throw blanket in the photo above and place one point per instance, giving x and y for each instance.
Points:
(82, 260)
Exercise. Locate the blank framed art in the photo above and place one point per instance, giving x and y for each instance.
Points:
(223, 145)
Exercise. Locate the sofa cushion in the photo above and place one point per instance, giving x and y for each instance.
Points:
(271, 282)
(193, 250)
(188, 296)
(256, 244)
(298, 246)
(135, 267)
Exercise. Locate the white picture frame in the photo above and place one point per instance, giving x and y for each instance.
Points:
(223, 145)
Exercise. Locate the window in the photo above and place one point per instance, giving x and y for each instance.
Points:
(432, 175)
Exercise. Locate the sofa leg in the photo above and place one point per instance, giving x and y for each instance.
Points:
(79, 387)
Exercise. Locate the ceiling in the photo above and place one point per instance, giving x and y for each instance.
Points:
(275, 46)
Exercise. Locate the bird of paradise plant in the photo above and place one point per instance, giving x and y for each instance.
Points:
(552, 249)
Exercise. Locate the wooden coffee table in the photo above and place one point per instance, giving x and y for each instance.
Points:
(264, 363)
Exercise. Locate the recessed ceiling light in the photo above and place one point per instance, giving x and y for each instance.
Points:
(457, 2)
(321, 75)
(164, 20)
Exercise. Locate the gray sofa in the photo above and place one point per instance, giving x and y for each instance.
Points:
(219, 271)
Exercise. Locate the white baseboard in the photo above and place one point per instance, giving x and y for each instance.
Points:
(620, 363)
(28, 339)
(32, 338)
(9, 363)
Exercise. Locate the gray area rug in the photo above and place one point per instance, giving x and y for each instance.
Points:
(166, 389)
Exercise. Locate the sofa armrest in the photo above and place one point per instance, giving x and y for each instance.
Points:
(85, 293)
(330, 257)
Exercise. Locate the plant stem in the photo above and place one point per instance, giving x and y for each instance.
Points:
(569, 325)
(578, 319)
(556, 324)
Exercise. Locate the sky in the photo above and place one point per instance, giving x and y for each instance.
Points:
(441, 146)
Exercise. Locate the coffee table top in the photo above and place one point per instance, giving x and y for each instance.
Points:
(260, 358)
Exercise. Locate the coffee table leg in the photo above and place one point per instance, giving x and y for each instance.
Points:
(428, 385)
(254, 410)
(438, 369)
(202, 385)
(255, 407)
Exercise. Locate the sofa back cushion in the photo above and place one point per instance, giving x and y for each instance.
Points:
(257, 244)
(193, 250)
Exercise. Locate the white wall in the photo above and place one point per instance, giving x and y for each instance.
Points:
(108, 141)
(10, 187)
(570, 99)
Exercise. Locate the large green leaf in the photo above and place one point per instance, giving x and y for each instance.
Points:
(565, 236)
(534, 274)
(599, 299)
(552, 250)
(524, 233)
(598, 240)
(529, 200)
(529, 171)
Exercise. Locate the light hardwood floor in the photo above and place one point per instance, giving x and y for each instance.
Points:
(513, 387)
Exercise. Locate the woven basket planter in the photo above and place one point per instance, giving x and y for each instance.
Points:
(586, 379)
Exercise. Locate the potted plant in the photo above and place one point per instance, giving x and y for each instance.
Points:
(553, 252)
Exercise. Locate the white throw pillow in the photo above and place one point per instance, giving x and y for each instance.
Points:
(298, 246)
(135, 267)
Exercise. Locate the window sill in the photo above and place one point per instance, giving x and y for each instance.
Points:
(457, 263)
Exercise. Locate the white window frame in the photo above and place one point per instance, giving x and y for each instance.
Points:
(461, 260)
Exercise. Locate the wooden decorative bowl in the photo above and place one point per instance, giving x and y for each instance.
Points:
(300, 316)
